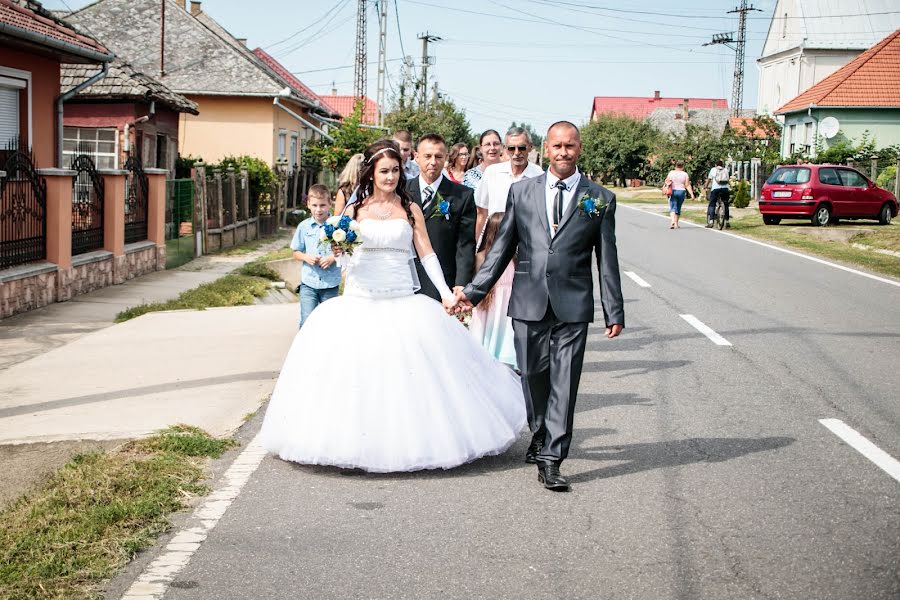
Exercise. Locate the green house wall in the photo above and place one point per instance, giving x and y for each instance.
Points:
(883, 124)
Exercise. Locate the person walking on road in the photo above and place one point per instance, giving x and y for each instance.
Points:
(679, 184)
(490, 155)
(456, 164)
(554, 224)
(717, 183)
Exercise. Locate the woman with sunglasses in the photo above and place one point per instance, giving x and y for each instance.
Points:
(456, 164)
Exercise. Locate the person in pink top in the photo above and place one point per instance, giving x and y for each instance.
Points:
(680, 184)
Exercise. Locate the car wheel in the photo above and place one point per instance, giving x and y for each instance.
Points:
(768, 220)
(884, 217)
(822, 216)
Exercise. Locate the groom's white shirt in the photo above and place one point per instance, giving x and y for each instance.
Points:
(434, 185)
(550, 193)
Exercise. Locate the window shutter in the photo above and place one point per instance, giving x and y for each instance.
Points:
(9, 115)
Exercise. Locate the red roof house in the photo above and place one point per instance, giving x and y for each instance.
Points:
(345, 104)
(640, 108)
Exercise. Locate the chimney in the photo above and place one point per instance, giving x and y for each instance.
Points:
(712, 103)
(678, 113)
(685, 109)
(242, 41)
(195, 8)
(656, 95)
(180, 4)
(333, 89)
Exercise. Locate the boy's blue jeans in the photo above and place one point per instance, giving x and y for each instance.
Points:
(310, 298)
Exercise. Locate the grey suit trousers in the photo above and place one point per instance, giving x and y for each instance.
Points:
(550, 355)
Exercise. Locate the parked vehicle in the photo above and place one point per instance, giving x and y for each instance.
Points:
(824, 194)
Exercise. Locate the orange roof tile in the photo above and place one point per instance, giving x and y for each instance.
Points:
(744, 126)
(640, 107)
(345, 104)
(871, 79)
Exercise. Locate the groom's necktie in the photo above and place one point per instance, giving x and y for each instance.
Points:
(426, 202)
(558, 203)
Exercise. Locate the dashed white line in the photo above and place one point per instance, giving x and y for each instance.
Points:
(785, 250)
(154, 581)
(637, 279)
(855, 440)
(706, 330)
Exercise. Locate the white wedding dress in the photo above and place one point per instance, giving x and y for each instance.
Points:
(384, 380)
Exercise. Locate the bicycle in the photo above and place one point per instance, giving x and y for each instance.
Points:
(719, 220)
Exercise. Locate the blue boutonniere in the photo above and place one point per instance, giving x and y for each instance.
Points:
(591, 206)
(441, 208)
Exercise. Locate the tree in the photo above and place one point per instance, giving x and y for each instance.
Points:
(699, 148)
(616, 147)
(441, 117)
(537, 140)
(350, 138)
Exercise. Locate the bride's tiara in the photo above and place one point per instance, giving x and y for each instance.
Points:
(385, 149)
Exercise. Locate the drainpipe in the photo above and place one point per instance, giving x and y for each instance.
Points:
(301, 119)
(59, 109)
(143, 119)
(816, 131)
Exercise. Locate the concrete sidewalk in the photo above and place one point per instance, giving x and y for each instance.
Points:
(72, 381)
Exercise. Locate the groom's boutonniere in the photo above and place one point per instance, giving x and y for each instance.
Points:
(591, 206)
(441, 208)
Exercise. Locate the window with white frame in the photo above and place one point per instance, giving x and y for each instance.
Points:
(809, 137)
(9, 116)
(294, 146)
(102, 145)
(792, 139)
(282, 143)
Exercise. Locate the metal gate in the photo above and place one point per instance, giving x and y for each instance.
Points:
(23, 215)
(179, 222)
(137, 190)
(87, 206)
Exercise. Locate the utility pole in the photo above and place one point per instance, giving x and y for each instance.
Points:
(426, 61)
(359, 68)
(382, 57)
(739, 46)
(162, 38)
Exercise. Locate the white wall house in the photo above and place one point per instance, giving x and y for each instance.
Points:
(808, 40)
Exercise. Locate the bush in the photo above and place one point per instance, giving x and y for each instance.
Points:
(262, 177)
(887, 177)
(742, 194)
(296, 216)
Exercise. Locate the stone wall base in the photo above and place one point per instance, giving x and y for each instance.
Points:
(27, 293)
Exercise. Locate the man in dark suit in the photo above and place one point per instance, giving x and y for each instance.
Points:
(555, 222)
(449, 210)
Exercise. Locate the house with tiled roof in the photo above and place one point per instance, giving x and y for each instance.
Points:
(675, 120)
(640, 107)
(808, 40)
(861, 97)
(345, 105)
(122, 111)
(244, 106)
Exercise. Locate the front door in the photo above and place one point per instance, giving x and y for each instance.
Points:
(832, 188)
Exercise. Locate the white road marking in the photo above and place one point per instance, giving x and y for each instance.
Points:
(882, 459)
(785, 250)
(155, 580)
(637, 279)
(717, 339)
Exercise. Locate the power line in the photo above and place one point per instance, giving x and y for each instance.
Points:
(324, 30)
(299, 31)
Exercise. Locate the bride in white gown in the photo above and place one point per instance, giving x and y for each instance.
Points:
(384, 379)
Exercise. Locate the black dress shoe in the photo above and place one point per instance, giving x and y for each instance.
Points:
(549, 475)
(537, 444)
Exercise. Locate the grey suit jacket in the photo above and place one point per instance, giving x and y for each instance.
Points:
(555, 270)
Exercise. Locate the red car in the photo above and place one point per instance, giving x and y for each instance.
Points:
(824, 194)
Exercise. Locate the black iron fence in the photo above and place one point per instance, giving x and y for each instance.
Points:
(88, 197)
(23, 203)
(137, 191)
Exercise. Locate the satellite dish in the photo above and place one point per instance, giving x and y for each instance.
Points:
(829, 127)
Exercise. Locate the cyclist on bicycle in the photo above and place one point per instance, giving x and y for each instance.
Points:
(717, 184)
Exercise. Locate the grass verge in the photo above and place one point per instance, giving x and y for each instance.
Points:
(73, 532)
(230, 290)
(807, 238)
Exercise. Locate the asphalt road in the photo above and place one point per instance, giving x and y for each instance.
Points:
(698, 470)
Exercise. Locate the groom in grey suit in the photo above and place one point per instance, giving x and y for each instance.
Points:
(553, 224)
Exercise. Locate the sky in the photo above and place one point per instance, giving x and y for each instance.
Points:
(536, 61)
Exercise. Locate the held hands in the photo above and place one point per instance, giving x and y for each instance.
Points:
(311, 260)
(458, 304)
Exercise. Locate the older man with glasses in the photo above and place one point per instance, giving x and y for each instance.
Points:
(491, 194)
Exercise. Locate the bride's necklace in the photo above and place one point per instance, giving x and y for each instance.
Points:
(384, 216)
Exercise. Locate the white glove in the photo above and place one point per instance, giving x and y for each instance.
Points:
(432, 267)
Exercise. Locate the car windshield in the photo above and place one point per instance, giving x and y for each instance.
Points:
(789, 175)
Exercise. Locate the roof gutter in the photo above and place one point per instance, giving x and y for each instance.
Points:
(301, 119)
(363, 125)
(59, 109)
(54, 43)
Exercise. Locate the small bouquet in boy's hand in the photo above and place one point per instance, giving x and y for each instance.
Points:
(341, 231)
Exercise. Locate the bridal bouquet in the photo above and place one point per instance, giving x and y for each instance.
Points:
(464, 317)
(341, 231)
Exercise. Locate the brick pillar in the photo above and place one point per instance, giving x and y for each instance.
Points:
(59, 228)
(156, 213)
(114, 220)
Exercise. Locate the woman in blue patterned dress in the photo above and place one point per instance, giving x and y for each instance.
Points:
(490, 145)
